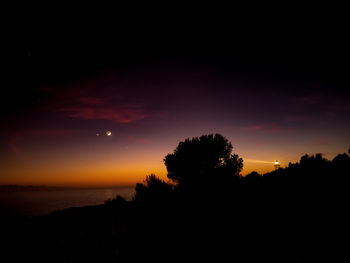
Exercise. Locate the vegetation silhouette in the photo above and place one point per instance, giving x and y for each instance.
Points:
(207, 211)
(152, 189)
(203, 159)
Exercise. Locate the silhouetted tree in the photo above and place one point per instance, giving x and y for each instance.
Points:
(253, 178)
(204, 159)
(341, 172)
(341, 160)
(118, 200)
(253, 175)
(152, 189)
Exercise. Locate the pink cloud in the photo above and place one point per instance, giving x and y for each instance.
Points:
(17, 137)
(254, 128)
(115, 114)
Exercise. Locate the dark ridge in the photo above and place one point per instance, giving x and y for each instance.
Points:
(293, 214)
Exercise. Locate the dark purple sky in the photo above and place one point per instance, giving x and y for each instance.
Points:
(272, 97)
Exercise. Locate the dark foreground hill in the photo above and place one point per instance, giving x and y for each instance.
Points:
(294, 214)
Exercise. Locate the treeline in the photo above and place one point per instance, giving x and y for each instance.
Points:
(195, 169)
(292, 214)
(206, 212)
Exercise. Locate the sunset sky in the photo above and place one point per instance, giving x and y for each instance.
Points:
(275, 100)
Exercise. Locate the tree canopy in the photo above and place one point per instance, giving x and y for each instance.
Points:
(208, 157)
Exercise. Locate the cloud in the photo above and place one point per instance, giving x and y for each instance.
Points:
(100, 106)
(115, 114)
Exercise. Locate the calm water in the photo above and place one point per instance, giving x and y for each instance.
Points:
(42, 202)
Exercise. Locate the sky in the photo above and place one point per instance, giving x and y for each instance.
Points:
(273, 98)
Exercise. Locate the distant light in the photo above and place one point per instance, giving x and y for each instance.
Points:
(277, 165)
(97, 134)
(108, 133)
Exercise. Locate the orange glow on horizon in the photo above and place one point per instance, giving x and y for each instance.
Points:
(85, 176)
(108, 176)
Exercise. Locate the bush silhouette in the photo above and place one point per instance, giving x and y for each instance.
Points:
(117, 201)
(203, 159)
(253, 178)
(253, 175)
(152, 189)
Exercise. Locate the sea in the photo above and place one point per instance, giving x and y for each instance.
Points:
(42, 201)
